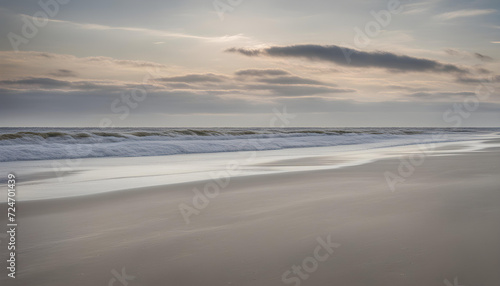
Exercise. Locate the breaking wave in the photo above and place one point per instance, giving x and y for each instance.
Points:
(17, 144)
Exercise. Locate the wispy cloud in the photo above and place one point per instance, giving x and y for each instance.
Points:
(465, 13)
(419, 7)
(30, 56)
(35, 83)
(483, 58)
(152, 32)
(468, 80)
(467, 55)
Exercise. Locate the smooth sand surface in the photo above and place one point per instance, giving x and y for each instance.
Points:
(442, 222)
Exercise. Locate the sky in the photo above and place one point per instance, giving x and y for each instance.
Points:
(241, 63)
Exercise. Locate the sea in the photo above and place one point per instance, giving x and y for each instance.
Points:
(24, 144)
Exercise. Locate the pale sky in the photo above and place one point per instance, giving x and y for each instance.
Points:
(236, 62)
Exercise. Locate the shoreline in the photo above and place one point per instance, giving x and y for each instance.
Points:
(153, 171)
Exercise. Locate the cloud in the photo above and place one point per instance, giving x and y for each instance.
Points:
(483, 58)
(194, 78)
(63, 73)
(465, 13)
(165, 102)
(268, 82)
(39, 83)
(261, 72)
(353, 58)
(277, 76)
(246, 52)
(440, 95)
(152, 32)
(453, 52)
(467, 80)
(279, 83)
(52, 57)
(296, 90)
(76, 108)
(180, 85)
(406, 88)
(419, 7)
(134, 63)
(36, 82)
(468, 55)
(291, 80)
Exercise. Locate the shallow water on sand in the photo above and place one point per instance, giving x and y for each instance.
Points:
(46, 179)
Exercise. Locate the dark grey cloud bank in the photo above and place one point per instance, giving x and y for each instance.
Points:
(354, 58)
(164, 102)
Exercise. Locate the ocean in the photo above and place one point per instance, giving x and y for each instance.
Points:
(20, 144)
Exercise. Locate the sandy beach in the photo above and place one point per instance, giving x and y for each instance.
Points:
(326, 227)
